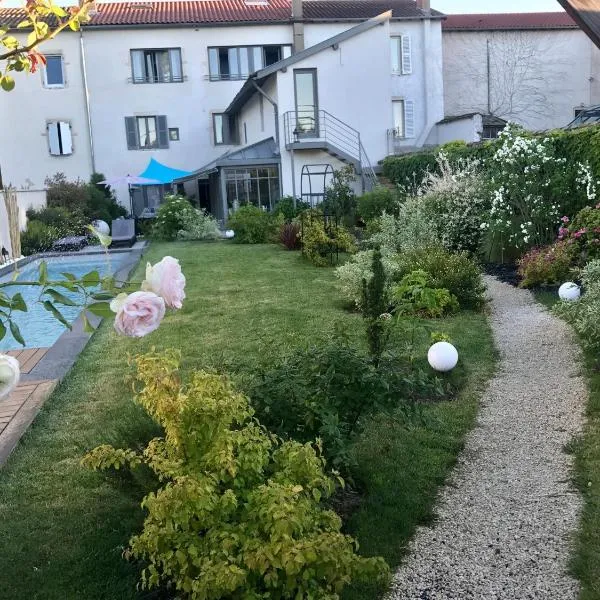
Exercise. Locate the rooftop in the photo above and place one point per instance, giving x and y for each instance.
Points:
(509, 21)
(214, 12)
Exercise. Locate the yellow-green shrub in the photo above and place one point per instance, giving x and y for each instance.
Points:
(239, 514)
(320, 244)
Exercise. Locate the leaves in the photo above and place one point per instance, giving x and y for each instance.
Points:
(2, 330)
(17, 303)
(60, 298)
(100, 309)
(56, 313)
(16, 333)
(91, 279)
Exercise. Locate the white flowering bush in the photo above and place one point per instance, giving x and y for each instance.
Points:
(199, 225)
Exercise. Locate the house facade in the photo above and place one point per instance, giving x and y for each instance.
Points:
(158, 81)
(537, 69)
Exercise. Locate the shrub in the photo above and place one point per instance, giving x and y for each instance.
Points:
(321, 243)
(546, 265)
(583, 233)
(199, 225)
(253, 225)
(351, 274)
(172, 216)
(39, 237)
(68, 223)
(373, 204)
(414, 295)
(238, 514)
(289, 236)
(285, 207)
(455, 272)
(340, 200)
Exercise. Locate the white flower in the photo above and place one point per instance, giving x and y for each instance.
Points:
(10, 373)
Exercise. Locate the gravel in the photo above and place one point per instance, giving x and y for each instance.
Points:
(506, 518)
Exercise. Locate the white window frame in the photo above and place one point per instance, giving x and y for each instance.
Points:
(51, 86)
(401, 54)
(402, 134)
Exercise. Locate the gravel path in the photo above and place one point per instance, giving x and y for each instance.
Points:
(506, 517)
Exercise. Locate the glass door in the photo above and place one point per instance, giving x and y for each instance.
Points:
(307, 104)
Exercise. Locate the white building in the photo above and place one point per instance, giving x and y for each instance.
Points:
(166, 80)
(537, 69)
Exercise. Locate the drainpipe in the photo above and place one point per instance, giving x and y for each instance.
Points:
(298, 25)
(489, 78)
(86, 92)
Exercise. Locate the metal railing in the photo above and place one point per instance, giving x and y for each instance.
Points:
(307, 124)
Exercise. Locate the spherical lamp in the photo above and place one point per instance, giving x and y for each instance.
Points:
(569, 291)
(101, 227)
(229, 234)
(442, 357)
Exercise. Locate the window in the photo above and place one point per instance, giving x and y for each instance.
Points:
(174, 134)
(256, 185)
(156, 66)
(404, 118)
(60, 142)
(401, 49)
(147, 132)
(398, 108)
(237, 62)
(491, 132)
(53, 72)
(225, 129)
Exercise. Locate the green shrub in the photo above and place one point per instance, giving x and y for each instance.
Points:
(455, 272)
(321, 244)
(373, 204)
(340, 199)
(199, 225)
(39, 237)
(60, 218)
(546, 265)
(409, 169)
(253, 225)
(351, 274)
(172, 216)
(238, 513)
(584, 233)
(414, 295)
(285, 207)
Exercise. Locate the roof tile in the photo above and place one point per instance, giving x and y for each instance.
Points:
(505, 21)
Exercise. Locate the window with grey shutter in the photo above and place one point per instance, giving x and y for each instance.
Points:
(163, 131)
(131, 132)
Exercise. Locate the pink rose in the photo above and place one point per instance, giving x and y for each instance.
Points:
(565, 219)
(166, 280)
(138, 314)
(562, 232)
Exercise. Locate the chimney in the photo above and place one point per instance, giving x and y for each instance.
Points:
(298, 25)
(424, 5)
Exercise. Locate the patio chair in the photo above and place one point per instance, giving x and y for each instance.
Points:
(123, 233)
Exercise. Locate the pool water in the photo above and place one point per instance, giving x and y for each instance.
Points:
(38, 327)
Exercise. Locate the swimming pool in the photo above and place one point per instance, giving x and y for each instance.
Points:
(38, 327)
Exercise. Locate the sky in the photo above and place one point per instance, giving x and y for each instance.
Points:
(495, 6)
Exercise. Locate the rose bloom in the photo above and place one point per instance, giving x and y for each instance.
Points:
(166, 280)
(138, 314)
(10, 373)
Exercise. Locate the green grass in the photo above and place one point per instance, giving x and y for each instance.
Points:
(63, 529)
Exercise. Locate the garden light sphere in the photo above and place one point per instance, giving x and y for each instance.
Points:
(229, 234)
(101, 226)
(569, 291)
(442, 357)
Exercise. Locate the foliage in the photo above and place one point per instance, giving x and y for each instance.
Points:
(63, 222)
(583, 232)
(236, 506)
(546, 265)
(289, 236)
(329, 390)
(353, 272)
(374, 306)
(39, 237)
(584, 314)
(456, 272)
(321, 238)
(414, 295)
(253, 225)
(406, 169)
(198, 225)
(286, 207)
(101, 202)
(44, 20)
(172, 217)
(340, 200)
(373, 204)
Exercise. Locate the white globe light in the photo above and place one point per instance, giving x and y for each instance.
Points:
(229, 233)
(442, 356)
(101, 226)
(569, 291)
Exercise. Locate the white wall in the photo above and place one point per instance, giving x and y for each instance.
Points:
(468, 130)
(537, 77)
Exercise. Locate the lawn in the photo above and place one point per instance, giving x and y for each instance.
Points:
(64, 528)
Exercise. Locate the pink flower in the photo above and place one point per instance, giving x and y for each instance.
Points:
(562, 232)
(565, 219)
(138, 314)
(166, 280)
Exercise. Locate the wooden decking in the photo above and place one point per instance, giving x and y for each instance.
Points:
(19, 409)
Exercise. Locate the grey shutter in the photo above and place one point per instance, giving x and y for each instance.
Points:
(163, 131)
(406, 55)
(133, 142)
(409, 119)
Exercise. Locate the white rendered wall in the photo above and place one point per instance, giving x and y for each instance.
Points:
(468, 130)
(537, 77)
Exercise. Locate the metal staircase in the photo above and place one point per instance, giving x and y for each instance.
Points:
(319, 130)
